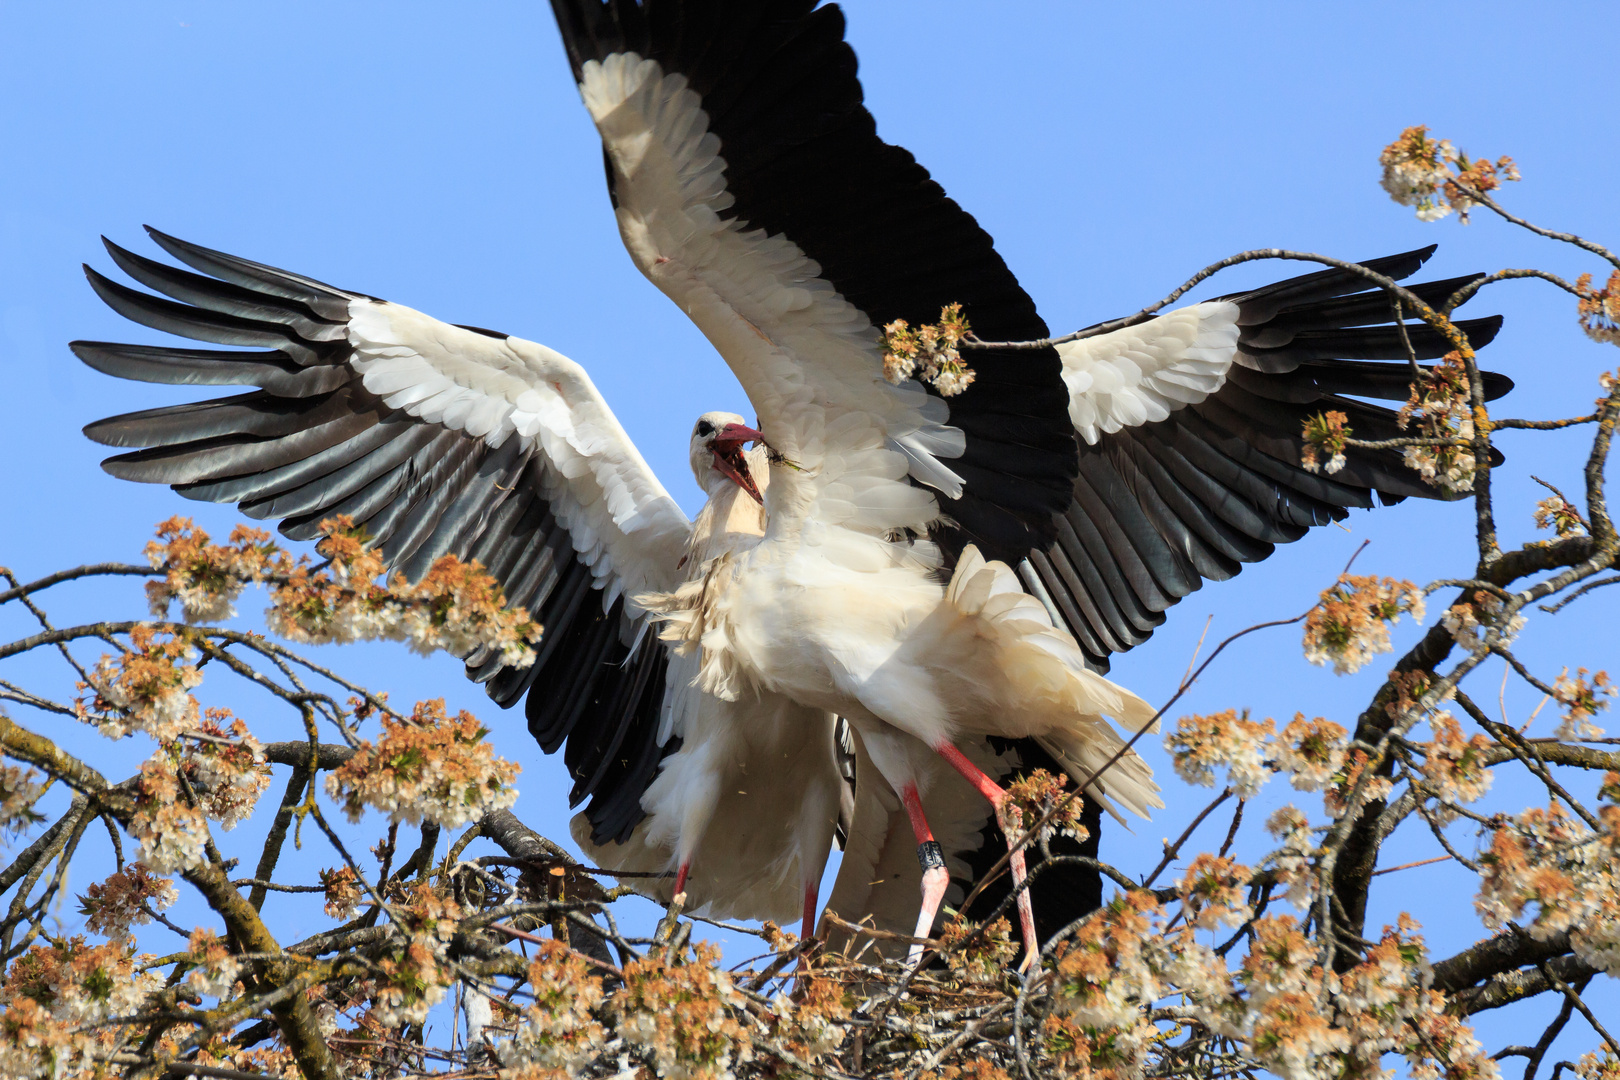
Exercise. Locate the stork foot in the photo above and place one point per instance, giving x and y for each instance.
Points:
(1026, 912)
(935, 880)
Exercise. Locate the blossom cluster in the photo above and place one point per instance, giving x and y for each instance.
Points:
(1440, 405)
(978, 956)
(1325, 433)
(1286, 1012)
(808, 1022)
(202, 577)
(1481, 623)
(1317, 756)
(58, 999)
(675, 1010)
(681, 1015)
(929, 352)
(125, 899)
(207, 765)
(1312, 752)
(1201, 743)
(1599, 309)
(430, 767)
(456, 606)
(1570, 872)
(1040, 796)
(342, 888)
(1582, 699)
(1598, 1066)
(1435, 178)
(560, 1029)
(1454, 767)
(1350, 623)
(1416, 168)
(224, 767)
(19, 791)
(1358, 782)
(214, 969)
(147, 688)
(413, 977)
(1291, 862)
(172, 831)
(1555, 513)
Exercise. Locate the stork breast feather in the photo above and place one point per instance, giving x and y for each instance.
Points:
(1143, 373)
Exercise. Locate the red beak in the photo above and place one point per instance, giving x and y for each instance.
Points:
(738, 433)
(728, 457)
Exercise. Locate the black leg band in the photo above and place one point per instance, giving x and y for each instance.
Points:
(930, 855)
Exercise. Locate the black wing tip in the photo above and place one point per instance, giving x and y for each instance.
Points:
(99, 356)
(163, 239)
(249, 274)
(1482, 331)
(136, 266)
(1401, 265)
(104, 285)
(180, 249)
(137, 466)
(105, 432)
(1420, 255)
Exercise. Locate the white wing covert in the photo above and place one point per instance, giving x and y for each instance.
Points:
(1190, 450)
(1143, 373)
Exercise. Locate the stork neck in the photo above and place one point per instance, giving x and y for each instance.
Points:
(728, 522)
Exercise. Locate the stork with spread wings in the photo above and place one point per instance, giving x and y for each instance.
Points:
(949, 574)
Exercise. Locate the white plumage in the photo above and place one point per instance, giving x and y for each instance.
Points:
(1143, 373)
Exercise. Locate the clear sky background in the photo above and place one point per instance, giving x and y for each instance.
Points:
(437, 155)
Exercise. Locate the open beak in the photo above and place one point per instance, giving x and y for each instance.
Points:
(728, 457)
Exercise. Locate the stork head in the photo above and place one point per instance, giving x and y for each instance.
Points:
(717, 451)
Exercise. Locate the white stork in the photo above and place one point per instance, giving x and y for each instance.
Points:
(944, 572)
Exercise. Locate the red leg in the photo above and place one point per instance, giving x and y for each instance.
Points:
(680, 877)
(997, 795)
(808, 929)
(935, 878)
(974, 775)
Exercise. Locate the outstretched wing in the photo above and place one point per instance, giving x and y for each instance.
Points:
(437, 440)
(1190, 431)
(751, 186)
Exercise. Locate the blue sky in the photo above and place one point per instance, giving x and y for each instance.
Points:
(437, 155)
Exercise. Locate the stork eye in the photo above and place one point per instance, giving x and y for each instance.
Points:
(704, 429)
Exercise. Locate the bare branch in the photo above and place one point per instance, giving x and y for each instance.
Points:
(93, 570)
